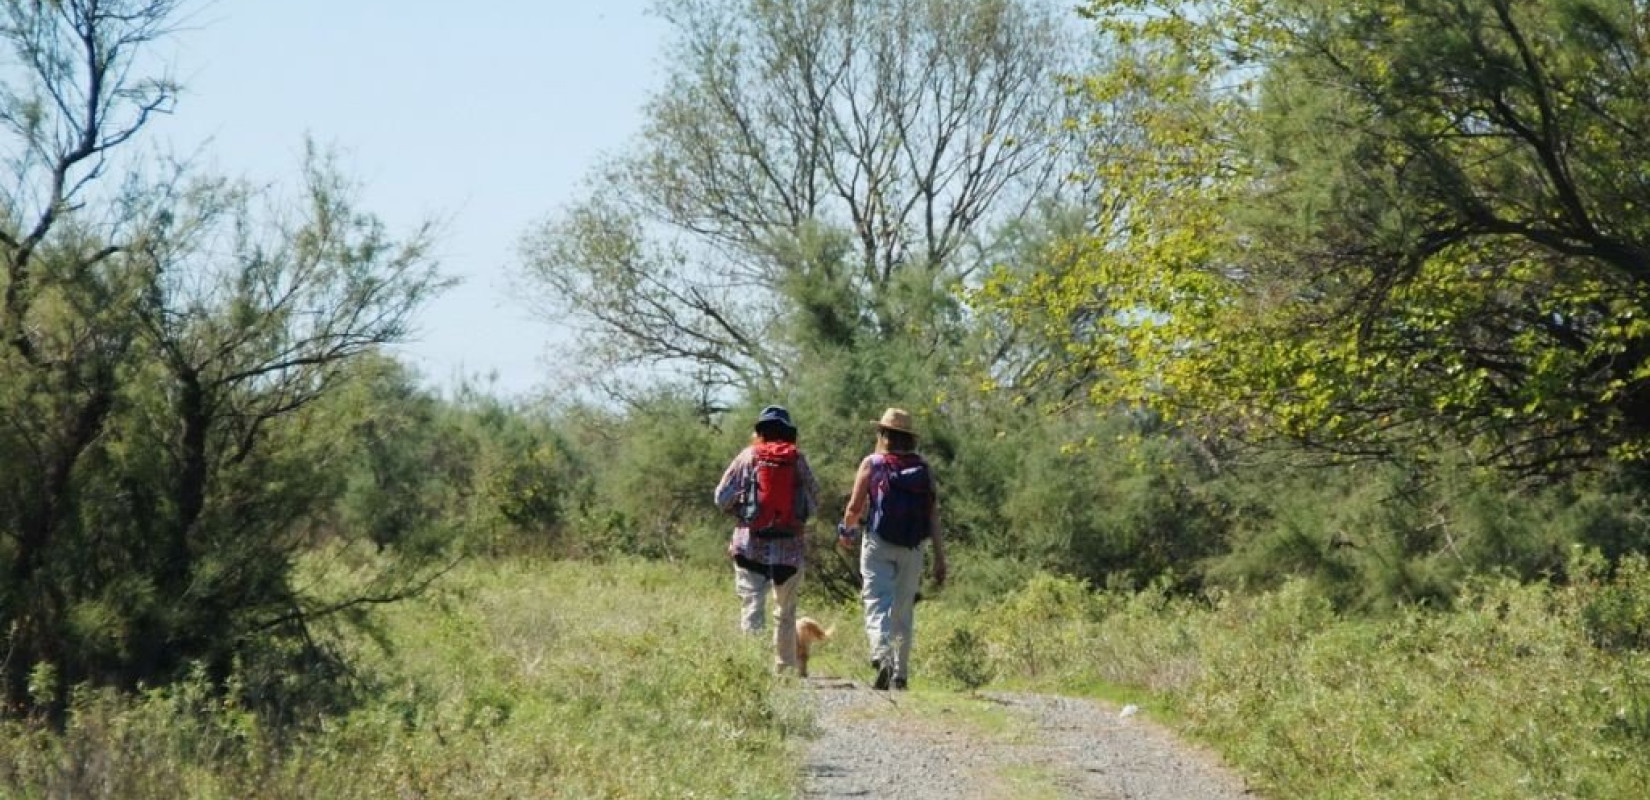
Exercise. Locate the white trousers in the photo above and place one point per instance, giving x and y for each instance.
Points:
(752, 587)
(892, 576)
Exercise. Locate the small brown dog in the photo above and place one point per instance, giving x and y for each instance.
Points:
(808, 633)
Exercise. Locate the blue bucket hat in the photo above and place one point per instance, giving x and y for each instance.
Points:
(777, 416)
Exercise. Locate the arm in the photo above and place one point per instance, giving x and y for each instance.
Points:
(859, 496)
(810, 485)
(732, 483)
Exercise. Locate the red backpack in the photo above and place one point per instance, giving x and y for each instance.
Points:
(770, 511)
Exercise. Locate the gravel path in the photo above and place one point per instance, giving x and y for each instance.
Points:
(893, 746)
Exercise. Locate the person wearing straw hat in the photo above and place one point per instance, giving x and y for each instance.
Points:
(767, 543)
(896, 488)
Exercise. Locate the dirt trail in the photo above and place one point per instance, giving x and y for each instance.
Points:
(897, 746)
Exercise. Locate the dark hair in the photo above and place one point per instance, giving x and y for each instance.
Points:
(899, 441)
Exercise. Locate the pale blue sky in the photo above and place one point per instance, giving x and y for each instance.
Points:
(487, 113)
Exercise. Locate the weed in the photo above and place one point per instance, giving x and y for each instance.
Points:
(1502, 694)
(544, 679)
(963, 659)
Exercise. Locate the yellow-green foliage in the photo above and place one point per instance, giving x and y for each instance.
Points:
(516, 680)
(1336, 222)
(1506, 696)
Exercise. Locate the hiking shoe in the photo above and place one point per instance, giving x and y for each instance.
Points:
(884, 675)
(899, 684)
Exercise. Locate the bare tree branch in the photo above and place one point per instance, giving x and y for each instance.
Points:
(916, 125)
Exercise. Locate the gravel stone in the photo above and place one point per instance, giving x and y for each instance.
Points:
(869, 746)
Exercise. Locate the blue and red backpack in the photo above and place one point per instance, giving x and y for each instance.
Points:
(902, 498)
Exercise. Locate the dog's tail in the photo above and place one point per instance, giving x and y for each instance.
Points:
(815, 629)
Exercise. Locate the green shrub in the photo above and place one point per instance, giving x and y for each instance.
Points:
(963, 659)
(1617, 612)
(653, 472)
(1378, 537)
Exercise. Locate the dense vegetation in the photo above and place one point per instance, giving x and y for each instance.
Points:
(1282, 364)
(518, 680)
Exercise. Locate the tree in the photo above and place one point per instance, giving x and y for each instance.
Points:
(864, 147)
(163, 341)
(65, 107)
(1372, 225)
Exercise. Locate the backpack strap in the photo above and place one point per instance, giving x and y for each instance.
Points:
(880, 469)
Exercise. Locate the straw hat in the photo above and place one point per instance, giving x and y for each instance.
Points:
(897, 419)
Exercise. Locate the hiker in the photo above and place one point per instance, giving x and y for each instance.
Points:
(771, 490)
(896, 488)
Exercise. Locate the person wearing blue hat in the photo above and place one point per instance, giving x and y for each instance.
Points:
(771, 492)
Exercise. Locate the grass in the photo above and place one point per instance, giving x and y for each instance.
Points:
(1505, 696)
(982, 718)
(629, 680)
(1029, 782)
(516, 680)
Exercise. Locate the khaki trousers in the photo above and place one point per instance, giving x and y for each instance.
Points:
(753, 586)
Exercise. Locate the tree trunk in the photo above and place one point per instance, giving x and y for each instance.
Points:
(41, 604)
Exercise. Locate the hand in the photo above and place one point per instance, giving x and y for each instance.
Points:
(939, 571)
(846, 536)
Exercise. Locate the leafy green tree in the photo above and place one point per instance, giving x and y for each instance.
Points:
(164, 341)
(648, 471)
(528, 481)
(1370, 225)
(404, 465)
